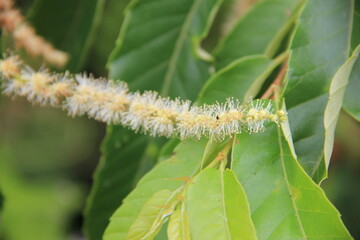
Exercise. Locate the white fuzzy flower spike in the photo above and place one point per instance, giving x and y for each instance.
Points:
(110, 102)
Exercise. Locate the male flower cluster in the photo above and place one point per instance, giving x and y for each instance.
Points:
(111, 102)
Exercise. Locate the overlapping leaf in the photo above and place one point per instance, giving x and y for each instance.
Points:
(178, 228)
(169, 174)
(212, 150)
(140, 69)
(285, 203)
(162, 234)
(158, 47)
(319, 47)
(176, 29)
(336, 96)
(218, 208)
(351, 100)
(260, 31)
(70, 25)
(168, 149)
(153, 214)
(114, 177)
(241, 79)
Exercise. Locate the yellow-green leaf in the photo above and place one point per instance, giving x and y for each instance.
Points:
(218, 208)
(170, 174)
(178, 228)
(123, 154)
(152, 215)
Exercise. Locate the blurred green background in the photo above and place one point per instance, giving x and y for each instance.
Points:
(47, 158)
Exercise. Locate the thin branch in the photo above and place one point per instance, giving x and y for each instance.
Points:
(277, 82)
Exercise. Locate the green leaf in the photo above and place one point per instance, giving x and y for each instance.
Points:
(178, 228)
(212, 151)
(122, 151)
(70, 25)
(241, 79)
(169, 174)
(168, 149)
(162, 234)
(217, 207)
(351, 99)
(319, 47)
(259, 31)
(139, 45)
(336, 96)
(156, 46)
(285, 203)
(105, 36)
(237, 207)
(152, 215)
(126, 157)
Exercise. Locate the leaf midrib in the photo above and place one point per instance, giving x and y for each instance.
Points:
(193, 174)
(182, 221)
(169, 76)
(288, 184)
(223, 204)
(158, 219)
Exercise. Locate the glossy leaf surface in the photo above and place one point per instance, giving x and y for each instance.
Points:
(169, 174)
(241, 79)
(217, 207)
(319, 47)
(172, 24)
(259, 31)
(152, 215)
(158, 47)
(285, 203)
(167, 149)
(114, 178)
(178, 228)
(351, 100)
(336, 96)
